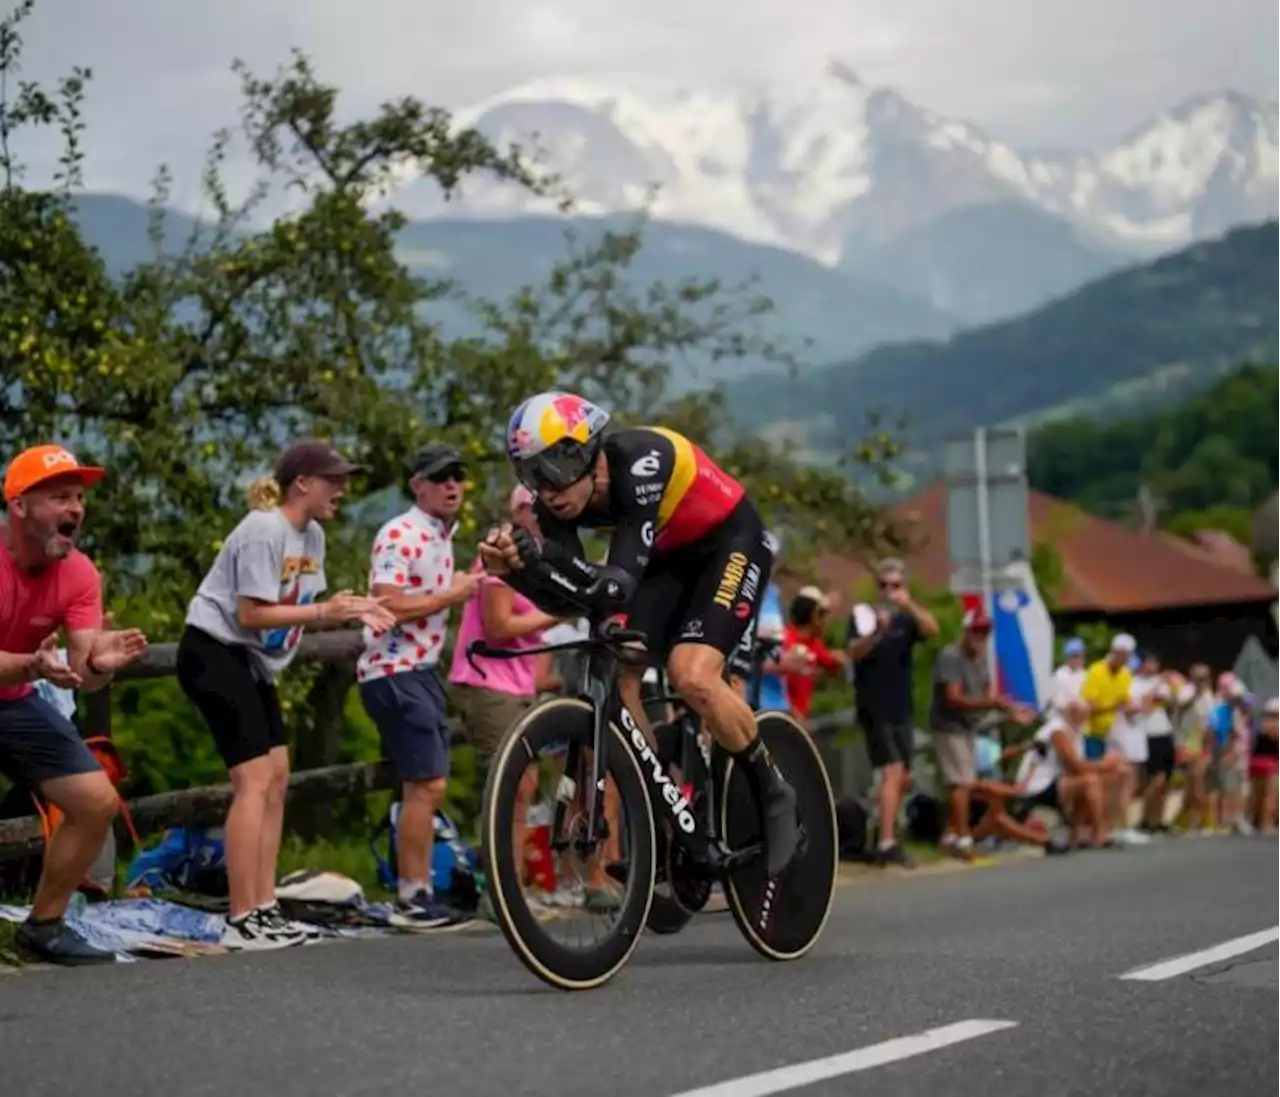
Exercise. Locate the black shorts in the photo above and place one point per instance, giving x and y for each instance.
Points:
(708, 592)
(237, 702)
(889, 742)
(1020, 809)
(1161, 756)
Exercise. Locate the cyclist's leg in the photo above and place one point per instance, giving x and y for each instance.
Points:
(726, 590)
(656, 608)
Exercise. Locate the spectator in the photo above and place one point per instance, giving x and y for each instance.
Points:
(491, 702)
(758, 662)
(411, 568)
(1153, 696)
(1196, 703)
(1055, 775)
(1263, 768)
(880, 642)
(242, 630)
(770, 632)
(46, 584)
(1108, 689)
(1068, 679)
(804, 651)
(962, 693)
(1229, 742)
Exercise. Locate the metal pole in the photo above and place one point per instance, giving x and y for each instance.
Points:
(984, 537)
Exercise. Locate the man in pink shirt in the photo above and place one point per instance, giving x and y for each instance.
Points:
(46, 584)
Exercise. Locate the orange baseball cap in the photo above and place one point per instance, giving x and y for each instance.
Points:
(40, 463)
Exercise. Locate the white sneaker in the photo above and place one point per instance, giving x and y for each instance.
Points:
(274, 916)
(574, 895)
(1131, 837)
(253, 933)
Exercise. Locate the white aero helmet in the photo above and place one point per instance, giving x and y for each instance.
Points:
(553, 439)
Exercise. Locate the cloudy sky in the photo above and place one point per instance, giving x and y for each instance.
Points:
(1037, 72)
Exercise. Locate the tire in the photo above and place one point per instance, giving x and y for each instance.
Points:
(557, 720)
(666, 916)
(787, 924)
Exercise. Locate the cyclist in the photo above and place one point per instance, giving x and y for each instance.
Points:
(688, 561)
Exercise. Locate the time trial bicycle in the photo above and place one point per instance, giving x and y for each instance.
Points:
(665, 821)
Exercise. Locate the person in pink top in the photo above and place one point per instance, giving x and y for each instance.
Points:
(47, 584)
(491, 703)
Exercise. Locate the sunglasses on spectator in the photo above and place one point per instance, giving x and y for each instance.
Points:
(455, 473)
(891, 584)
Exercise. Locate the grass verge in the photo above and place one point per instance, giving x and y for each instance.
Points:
(9, 956)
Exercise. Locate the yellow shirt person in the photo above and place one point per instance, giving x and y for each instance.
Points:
(1107, 686)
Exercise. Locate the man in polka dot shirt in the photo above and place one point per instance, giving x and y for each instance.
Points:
(412, 568)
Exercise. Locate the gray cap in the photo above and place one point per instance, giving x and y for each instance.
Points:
(435, 458)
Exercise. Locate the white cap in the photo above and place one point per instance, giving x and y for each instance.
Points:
(1122, 641)
(815, 594)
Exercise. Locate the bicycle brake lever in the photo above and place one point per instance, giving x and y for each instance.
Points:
(476, 647)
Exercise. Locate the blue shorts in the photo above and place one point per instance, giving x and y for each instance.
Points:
(1094, 748)
(408, 709)
(38, 743)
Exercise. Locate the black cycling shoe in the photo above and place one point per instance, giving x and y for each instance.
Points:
(781, 827)
(776, 800)
(57, 943)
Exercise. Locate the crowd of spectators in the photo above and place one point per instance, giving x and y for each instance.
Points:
(1118, 731)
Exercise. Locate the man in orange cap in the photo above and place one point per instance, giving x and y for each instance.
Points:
(46, 584)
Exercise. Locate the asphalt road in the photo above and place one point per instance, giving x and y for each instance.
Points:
(1006, 979)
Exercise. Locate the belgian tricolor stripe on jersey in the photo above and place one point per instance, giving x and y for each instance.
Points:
(699, 495)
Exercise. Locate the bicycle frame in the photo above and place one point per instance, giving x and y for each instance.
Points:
(600, 690)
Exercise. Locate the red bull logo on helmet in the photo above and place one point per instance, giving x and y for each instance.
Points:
(565, 416)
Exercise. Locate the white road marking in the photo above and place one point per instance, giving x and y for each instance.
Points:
(1180, 965)
(849, 1062)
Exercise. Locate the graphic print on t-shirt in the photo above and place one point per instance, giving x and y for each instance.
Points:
(286, 637)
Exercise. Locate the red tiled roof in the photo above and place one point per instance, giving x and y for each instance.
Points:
(1220, 547)
(1107, 568)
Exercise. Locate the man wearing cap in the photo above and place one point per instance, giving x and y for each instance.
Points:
(805, 652)
(1108, 690)
(880, 642)
(963, 693)
(1068, 679)
(47, 584)
(412, 568)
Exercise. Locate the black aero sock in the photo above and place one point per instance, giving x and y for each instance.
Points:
(41, 923)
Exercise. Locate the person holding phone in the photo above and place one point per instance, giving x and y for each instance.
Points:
(880, 642)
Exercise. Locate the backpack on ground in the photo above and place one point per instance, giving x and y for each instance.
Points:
(852, 829)
(191, 859)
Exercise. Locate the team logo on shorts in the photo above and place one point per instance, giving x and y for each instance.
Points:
(735, 569)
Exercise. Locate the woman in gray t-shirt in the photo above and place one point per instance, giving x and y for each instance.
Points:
(243, 628)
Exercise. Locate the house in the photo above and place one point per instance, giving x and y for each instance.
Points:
(1176, 597)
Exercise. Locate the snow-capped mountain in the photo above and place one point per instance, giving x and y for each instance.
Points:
(834, 167)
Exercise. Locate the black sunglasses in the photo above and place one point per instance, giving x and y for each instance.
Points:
(456, 473)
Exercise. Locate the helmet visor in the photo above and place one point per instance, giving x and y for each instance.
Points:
(554, 469)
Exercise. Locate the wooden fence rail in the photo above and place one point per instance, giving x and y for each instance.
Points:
(207, 806)
(161, 660)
